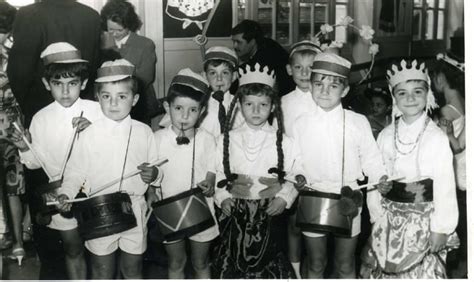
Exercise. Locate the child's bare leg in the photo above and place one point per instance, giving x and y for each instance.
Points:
(200, 259)
(131, 266)
(316, 253)
(344, 257)
(176, 259)
(16, 212)
(74, 254)
(103, 267)
(294, 244)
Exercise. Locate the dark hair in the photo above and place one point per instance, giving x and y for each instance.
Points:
(7, 17)
(254, 89)
(132, 80)
(454, 77)
(121, 12)
(218, 62)
(67, 70)
(250, 30)
(180, 90)
(380, 93)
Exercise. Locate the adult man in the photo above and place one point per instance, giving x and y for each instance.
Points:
(252, 47)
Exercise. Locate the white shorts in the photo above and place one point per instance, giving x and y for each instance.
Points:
(59, 222)
(132, 241)
(355, 228)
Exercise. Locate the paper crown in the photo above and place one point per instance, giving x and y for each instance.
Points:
(61, 53)
(189, 78)
(258, 75)
(331, 64)
(115, 70)
(416, 71)
(305, 45)
(221, 53)
(451, 61)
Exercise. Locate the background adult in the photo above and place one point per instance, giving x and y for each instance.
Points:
(35, 27)
(122, 22)
(252, 47)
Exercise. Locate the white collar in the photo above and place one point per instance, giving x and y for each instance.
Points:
(122, 41)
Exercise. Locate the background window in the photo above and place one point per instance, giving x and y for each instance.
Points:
(429, 19)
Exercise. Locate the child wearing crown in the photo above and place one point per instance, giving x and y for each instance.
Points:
(414, 222)
(337, 148)
(250, 197)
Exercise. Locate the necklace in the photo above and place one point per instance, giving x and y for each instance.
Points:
(396, 138)
(254, 151)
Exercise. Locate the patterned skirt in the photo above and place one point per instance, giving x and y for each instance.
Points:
(13, 178)
(251, 245)
(399, 246)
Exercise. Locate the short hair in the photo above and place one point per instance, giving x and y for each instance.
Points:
(303, 53)
(7, 17)
(180, 90)
(121, 12)
(250, 30)
(424, 82)
(454, 77)
(66, 70)
(339, 79)
(379, 93)
(218, 62)
(131, 80)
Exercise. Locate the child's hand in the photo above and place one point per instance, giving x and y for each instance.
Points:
(384, 186)
(148, 173)
(300, 182)
(81, 123)
(16, 137)
(276, 206)
(63, 206)
(273, 187)
(227, 206)
(438, 241)
(207, 188)
(152, 196)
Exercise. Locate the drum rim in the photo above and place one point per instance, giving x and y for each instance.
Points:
(179, 196)
(315, 193)
(99, 197)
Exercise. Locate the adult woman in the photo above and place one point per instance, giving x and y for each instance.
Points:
(121, 21)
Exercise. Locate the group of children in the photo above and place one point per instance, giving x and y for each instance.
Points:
(244, 151)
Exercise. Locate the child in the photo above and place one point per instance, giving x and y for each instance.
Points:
(108, 149)
(65, 76)
(336, 147)
(293, 105)
(381, 106)
(251, 244)
(220, 65)
(190, 164)
(413, 224)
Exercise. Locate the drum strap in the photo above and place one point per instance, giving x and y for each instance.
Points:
(194, 155)
(125, 160)
(343, 145)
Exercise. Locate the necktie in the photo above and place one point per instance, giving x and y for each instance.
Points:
(219, 96)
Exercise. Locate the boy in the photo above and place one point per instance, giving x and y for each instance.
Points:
(299, 101)
(110, 147)
(380, 106)
(65, 76)
(336, 147)
(220, 66)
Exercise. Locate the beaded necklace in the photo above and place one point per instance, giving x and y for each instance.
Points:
(255, 151)
(396, 138)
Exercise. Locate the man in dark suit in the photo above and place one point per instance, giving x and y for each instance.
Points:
(35, 27)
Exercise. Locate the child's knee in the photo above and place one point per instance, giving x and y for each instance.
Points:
(132, 271)
(200, 264)
(74, 250)
(345, 266)
(177, 263)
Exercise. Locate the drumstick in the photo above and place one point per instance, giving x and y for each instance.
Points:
(148, 215)
(69, 148)
(135, 172)
(23, 136)
(67, 201)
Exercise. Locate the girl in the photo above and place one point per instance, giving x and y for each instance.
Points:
(190, 153)
(250, 198)
(380, 105)
(414, 222)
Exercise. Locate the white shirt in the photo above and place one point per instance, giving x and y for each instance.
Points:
(51, 132)
(177, 171)
(255, 161)
(122, 41)
(211, 121)
(293, 105)
(100, 154)
(319, 136)
(433, 158)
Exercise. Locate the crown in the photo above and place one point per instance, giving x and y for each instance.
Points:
(395, 75)
(258, 75)
(451, 61)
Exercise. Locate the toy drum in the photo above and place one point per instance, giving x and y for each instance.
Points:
(183, 215)
(104, 215)
(318, 212)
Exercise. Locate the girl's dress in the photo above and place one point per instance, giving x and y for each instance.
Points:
(252, 243)
(425, 202)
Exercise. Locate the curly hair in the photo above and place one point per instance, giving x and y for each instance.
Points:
(7, 16)
(121, 12)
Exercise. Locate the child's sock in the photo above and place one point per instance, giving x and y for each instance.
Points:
(296, 268)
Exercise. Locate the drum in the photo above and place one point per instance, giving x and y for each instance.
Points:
(183, 215)
(104, 215)
(318, 212)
